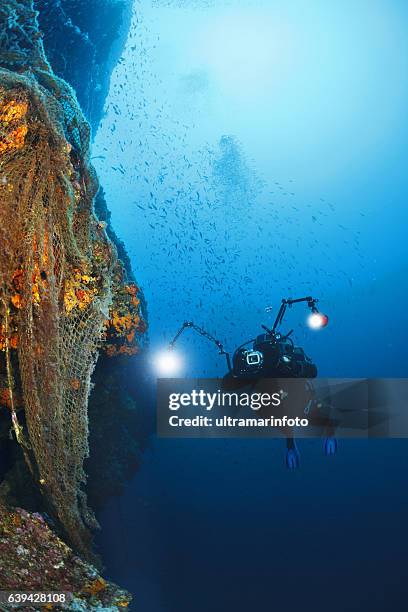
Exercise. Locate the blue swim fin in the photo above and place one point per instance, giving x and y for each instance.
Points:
(330, 446)
(292, 458)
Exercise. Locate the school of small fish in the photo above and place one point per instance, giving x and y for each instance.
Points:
(210, 239)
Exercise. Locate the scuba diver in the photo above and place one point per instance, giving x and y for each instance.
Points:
(273, 355)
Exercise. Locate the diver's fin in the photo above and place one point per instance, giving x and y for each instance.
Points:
(330, 446)
(293, 458)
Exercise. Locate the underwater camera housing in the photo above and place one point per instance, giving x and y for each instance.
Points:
(272, 355)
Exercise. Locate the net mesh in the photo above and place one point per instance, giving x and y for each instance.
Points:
(62, 288)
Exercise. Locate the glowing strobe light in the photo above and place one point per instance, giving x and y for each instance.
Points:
(317, 320)
(168, 363)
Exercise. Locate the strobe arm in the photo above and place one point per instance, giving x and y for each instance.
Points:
(311, 302)
(202, 332)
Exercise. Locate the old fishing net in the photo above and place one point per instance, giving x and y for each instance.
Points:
(63, 290)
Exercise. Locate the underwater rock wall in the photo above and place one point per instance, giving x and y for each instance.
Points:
(21, 54)
(83, 40)
(33, 556)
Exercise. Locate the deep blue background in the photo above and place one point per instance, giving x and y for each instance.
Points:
(222, 525)
(254, 150)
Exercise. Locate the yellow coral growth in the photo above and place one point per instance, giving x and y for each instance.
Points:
(14, 140)
(16, 300)
(13, 110)
(13, 338)
(38, 284)
(95, 587)
(125, 323)
(80, 291)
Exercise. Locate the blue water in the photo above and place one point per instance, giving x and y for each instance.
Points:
(251, 151)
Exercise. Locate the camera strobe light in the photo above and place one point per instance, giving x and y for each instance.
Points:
(317, 320)
(168, 363)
